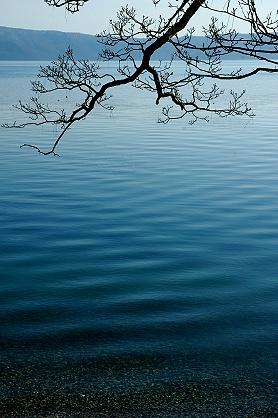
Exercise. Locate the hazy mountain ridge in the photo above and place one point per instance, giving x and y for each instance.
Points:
(27, 44)
(44, 45)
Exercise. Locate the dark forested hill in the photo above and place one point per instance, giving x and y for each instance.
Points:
(26, 44)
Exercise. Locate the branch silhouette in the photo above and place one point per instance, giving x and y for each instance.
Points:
(132, 36)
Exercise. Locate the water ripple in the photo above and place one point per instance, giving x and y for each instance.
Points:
(152, 247)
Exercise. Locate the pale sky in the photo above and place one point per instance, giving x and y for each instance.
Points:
(93, 17)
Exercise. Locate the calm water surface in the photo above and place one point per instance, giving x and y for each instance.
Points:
(139, 270)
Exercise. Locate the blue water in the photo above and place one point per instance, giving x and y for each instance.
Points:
(139, 269)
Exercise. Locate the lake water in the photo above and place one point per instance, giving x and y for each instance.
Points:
(139, 269)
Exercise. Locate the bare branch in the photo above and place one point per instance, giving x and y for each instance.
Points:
(71, 5)
(133, 41)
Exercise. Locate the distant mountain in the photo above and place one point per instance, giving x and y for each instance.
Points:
(25, 44)
(40, 45)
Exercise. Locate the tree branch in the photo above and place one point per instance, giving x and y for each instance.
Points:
(132, 35)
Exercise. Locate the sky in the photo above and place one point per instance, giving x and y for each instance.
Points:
(93, 17)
